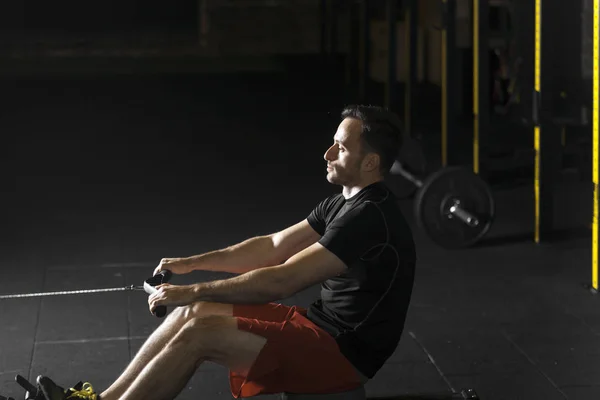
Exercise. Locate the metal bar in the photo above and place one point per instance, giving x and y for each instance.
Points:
(595, 139)
(463, 215)
(484, 78)
(547, 141)
(537, 73)
(408, 176)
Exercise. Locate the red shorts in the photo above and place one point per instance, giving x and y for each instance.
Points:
(299, 357)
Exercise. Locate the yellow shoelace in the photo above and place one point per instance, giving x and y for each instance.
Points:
(86, 393)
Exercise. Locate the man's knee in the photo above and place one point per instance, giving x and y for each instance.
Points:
(200, 333)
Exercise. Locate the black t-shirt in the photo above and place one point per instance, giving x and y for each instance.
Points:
(365, 307)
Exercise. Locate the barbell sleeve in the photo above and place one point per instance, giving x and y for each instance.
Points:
(463, 215)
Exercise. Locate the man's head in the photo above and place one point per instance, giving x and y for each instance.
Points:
(365, 146)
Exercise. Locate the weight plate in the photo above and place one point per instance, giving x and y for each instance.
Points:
(412, 158)
(434, 199)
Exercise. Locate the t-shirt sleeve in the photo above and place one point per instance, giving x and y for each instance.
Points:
(358, 233)
(317, 219)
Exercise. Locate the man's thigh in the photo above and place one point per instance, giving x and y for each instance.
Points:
(203, 309)
(265, 312)
(297, 357)
(272, 348)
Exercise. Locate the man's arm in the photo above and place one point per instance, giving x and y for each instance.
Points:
(254, 253)
(310, 266)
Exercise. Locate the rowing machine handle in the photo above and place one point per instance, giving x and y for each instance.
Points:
(163, 276)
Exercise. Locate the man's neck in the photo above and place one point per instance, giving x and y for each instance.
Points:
(350, 191)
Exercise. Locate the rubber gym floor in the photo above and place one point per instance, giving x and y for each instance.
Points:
(103, 177)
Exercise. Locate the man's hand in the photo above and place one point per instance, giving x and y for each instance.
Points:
(171, 295)
(176, 265)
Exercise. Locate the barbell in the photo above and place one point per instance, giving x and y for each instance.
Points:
(413, 160)
(453, 206)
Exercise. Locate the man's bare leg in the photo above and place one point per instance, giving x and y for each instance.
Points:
(213, 338)
(159, 339)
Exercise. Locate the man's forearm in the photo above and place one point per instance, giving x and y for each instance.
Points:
(255, 287)
(251, 254)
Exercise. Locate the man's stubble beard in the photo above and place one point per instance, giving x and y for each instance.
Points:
(345, 179)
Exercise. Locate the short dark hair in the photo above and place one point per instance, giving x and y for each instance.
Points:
(381, 132)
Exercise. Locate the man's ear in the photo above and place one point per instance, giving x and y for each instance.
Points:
(371, 162)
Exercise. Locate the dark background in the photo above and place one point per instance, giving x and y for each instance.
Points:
(118, 106)
(132, 131)
(68, 16)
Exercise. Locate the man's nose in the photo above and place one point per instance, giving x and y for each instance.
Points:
(329, 154)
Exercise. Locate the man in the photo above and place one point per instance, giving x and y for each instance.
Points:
(357, 244)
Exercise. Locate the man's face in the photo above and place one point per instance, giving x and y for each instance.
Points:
(344, 157)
